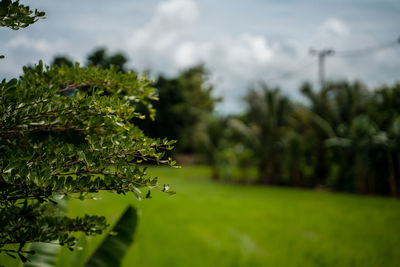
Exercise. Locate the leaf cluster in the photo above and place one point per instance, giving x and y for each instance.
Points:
(15, 15)
(67, 132)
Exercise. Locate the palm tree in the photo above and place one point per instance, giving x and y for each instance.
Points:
(267, 115)
(384, 109)
(331, 113)
(367, 145)
(394, 156)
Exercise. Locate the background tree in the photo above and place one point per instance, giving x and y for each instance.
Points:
(384, 110)
(346, 138)
(215, 136)
(100, 58)
(330, 114)
(60, 60)
(267, 116)
(185, 102)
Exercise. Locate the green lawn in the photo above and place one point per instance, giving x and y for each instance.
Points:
(216, 224)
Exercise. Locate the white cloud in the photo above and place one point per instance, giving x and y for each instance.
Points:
(332, 33)
(168, 42)
(171, 20)
(185, 54)
(258, 48)
(248, 49)
(335, 27)
(174, 11)
(22, 41)
(23, 49)
(36, 46)
(169, 37)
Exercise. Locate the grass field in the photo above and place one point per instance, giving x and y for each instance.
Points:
(216, 224)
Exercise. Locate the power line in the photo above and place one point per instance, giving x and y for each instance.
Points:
(321, 54)
(346, 53)
(291, 74)
(367, 50)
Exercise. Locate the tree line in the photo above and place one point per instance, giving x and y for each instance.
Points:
(346, 137)
(343, 137)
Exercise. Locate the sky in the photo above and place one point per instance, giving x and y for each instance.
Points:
(241, 43)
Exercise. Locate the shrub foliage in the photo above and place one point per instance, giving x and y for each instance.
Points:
(67, 132)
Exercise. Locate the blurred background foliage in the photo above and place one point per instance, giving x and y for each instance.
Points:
(343, 137)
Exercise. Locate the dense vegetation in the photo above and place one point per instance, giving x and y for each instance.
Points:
(346, 137)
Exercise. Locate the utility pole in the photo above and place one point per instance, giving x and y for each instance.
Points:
(321, 63)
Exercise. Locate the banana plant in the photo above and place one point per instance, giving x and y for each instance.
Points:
(110, 252)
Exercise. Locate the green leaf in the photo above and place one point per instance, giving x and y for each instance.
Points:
(22, 257)
(113, 248)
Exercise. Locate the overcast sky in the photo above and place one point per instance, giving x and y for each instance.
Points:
(240, 42)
